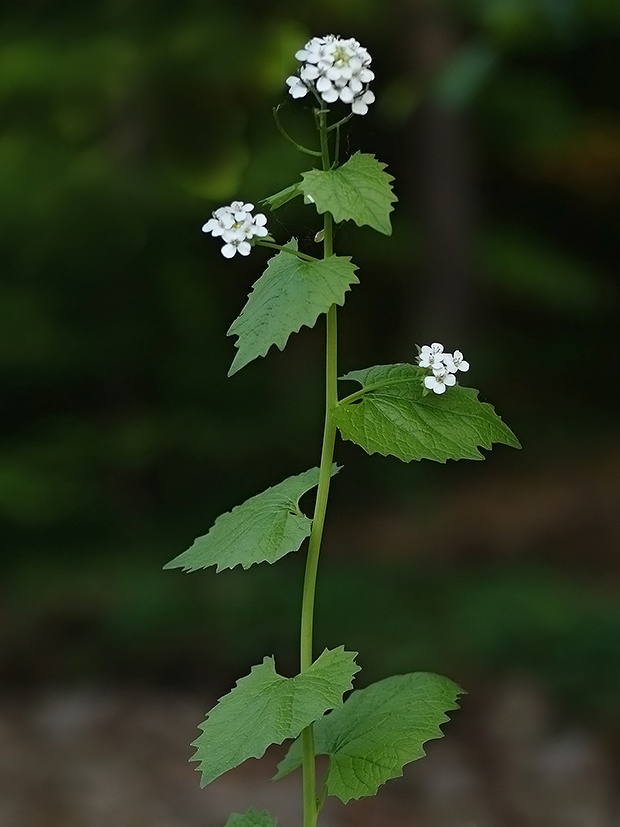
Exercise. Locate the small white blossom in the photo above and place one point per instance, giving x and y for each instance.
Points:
(431, 356)
(440, 379)
(360, 105)
(236, 226)
(297, 88)
(236, 243)
(459, 362)
(222, 221)
(337, 69)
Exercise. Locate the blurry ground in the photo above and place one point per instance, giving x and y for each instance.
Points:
(89, 757)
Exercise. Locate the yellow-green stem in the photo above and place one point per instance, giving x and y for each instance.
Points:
(311, 805)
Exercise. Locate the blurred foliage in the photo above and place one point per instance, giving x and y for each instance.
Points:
(123, 125)
(128, 621)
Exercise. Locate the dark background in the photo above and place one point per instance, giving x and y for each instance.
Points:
(124, 124)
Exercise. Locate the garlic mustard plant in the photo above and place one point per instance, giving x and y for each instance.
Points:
(370, 734)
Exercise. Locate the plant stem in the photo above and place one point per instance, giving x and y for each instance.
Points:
(311, 805)
(340, 122)
(285, 134)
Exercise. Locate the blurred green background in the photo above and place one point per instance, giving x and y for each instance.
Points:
(124, 124)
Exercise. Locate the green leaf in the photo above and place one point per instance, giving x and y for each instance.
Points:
(252, 819)
(262, 529)
(264, 708)
(283, 197)
(290, 293)
(359, 191)
(393, 416)
(377, 731)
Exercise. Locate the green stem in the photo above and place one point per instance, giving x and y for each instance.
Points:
(311, 805)
(340, 122)
(285, 134)
(336, 149)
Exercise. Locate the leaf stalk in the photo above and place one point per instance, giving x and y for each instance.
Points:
(274, 246)
(285, 134)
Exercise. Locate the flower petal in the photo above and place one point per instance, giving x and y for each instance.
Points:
(299, 91)
(309, 72)
(330, 96)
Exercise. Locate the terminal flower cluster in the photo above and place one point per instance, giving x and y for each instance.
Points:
(443, 366)
(237, 227)
(336, 69)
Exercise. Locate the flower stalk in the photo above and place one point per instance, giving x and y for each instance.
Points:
(311, 804)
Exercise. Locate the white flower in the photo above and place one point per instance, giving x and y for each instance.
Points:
(222, 220)
(237, 227)
(360, 105)
(431, 355)
(236, 243)
(459, 362)
(337, 69)
(297, 88)
(439, 380)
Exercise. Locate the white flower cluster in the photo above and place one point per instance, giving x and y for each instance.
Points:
(237, 227)
(443, 365)
(337, 69)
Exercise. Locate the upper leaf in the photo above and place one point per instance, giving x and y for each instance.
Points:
(394, 417)
(262, 529)
(282, 197)
(264, 708)
(290, 293)
(377, 731)
(252, 819)
(359, 191)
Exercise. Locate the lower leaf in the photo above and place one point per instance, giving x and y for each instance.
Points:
(377, 731)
